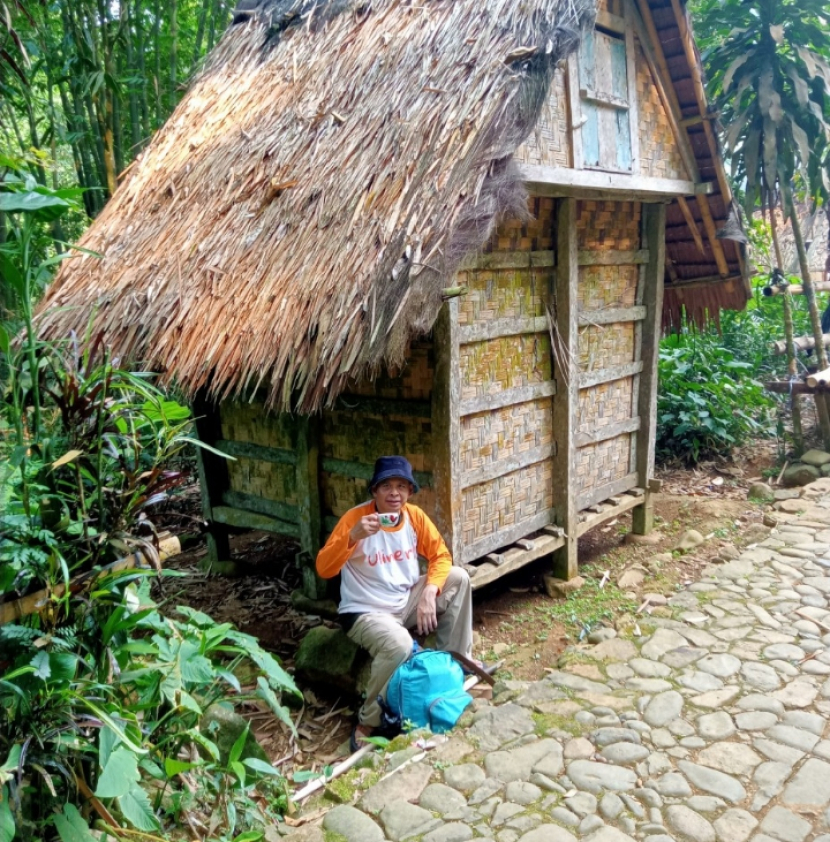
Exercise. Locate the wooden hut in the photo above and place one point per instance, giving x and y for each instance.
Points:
(450, 230)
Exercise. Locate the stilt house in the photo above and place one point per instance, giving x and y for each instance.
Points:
(449, 229)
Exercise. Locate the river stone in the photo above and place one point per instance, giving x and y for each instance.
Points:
(625, 754)
(452, 832)
(544, 756)
(799, 474)
(616, 649)
(564, 816)
(608, 834)
(352, 824)
(769, 777)
(808, 721)
(786, 826)
(402, 820)
(762, 676)
(783, 652)
(794, 737)
(466, 777)
(548, 833)
(673, 785)
(661, 642)
(815, 457)
(442, 799)
(732, 758)
(583, 804)
(755, 701)
(810, 786)
(601, 635)
(522, 792)
(689, 825)
(663, 708)
(577, 683)
(649, 669)
(800, 693)
(760, 492)
(408, 784)
(494, 726)
(710, 780)
(715, 726)
(700, 682)
(722, 665)
(735, 825)
(607, 736)
(222, 724)
(755, 720)
(596, 777)
(611, 805)
(688, 541)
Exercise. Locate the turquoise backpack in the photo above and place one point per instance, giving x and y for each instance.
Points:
(426, 691)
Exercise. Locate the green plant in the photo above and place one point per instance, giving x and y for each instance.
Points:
(708, 401)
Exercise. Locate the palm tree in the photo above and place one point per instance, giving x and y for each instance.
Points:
(769, 76)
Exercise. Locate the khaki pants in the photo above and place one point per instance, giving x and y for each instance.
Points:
(389, 643)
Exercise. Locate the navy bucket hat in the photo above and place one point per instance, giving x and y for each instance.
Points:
(390, 467)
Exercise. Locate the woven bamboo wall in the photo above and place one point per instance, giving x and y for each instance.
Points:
(659, 153)
(550, 141)
(355, 436)
(489, 439)
(249, 423)
(603, 227)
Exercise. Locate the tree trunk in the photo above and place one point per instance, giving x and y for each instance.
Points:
(173, 95)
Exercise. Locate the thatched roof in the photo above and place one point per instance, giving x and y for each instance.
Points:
(294, 222)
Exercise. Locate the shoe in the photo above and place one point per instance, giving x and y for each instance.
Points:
(357, 739)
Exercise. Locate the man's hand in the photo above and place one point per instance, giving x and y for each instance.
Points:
(427, 614)
(366, 526)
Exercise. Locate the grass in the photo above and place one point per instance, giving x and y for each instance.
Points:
(544, 722)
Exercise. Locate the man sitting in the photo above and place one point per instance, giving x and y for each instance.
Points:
(376, 547)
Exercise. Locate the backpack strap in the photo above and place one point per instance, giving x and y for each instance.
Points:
(472, 667)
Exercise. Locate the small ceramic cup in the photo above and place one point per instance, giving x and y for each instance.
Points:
(388, 519)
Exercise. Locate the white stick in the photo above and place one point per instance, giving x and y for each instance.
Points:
(339, 769)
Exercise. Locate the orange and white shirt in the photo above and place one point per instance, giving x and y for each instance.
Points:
(378, 572)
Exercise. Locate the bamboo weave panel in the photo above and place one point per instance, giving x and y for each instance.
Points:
(602, 287)
(413, 382)
(607, 226)
(502, 293)
(598, 464)
(268, 480)
(489, 367)
(659, 152)
(507, 500)
(536, 234)
(487, 437)
(604, 346)
(550, 142)
(249, 422)
(606, 404)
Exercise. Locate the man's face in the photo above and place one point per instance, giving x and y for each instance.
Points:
(391, 494)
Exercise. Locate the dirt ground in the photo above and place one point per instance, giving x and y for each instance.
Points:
(514, 619)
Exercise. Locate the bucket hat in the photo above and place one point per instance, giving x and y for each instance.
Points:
(389, 467)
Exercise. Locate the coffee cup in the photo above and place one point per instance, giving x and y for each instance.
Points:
(388, 519)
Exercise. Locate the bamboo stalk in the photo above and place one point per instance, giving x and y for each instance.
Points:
(800, 343)
(785, 387)
(794, 289)
(820, 378)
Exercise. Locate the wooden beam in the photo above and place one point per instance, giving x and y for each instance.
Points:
(565, 305)
(508, 397)
(514, 559)
(506, 465)
(504, 537)
(611, 316)
(360, 470)
(496, 328)
(250, 520)
(609, 21)
(711, 233)
(548, 180)
(509, 260)
(446, 428)
(605, 492)
(795, 289)
(691, 222)
(587, 379)
(627, 502)
(784, 387)
(261, 506)
(710, 280)
(258, 452)
(612, 258)
(307, 482)
(609, 431)
(654, 228)
(370, 405)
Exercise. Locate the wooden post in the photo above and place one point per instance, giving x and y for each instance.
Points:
(654, 227)
(213, 479)
(307, 478)
(566, 374)
(446, 428)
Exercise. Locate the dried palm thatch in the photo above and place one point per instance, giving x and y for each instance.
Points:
(294, 222)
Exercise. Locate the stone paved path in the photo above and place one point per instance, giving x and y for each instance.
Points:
(710, 728)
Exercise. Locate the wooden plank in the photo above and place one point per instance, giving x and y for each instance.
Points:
(503, 538)
(625, 504)
(681, 286)
(549, 180)
(506, 465)
(258, 452)
(259, 505)
(611, 431)
(542, 546)
(577, 119)
(250, 520)
(509, 260)
(508, 397)
(634, 108)
(565, 305)
(603, 492)
(611, 316)
(446, 428)
(711, 233)
(612, 258)
(587, 379)
(609, 21)
(384, 407)
(691, 222)
(360, 470)
(213, 477)
(483, 331)
(307, 480)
